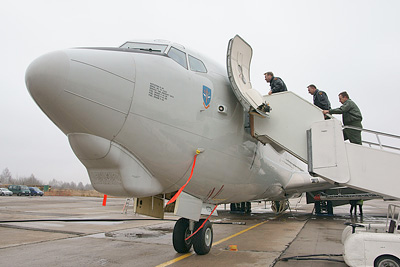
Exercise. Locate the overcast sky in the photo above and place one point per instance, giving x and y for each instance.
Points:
(337, 45)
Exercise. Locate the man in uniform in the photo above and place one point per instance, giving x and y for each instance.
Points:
(276, 83)
(320, 98)
(351, 116)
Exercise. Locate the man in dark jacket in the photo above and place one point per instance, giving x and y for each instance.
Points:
(351, 116)
(320, 98)
(276, 83)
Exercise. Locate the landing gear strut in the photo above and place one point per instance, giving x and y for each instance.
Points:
(202, 240)
(241, 207)
(279, 206)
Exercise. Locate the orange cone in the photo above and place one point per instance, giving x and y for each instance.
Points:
(233, 248)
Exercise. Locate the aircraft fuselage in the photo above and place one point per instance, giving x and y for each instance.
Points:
(135, 118)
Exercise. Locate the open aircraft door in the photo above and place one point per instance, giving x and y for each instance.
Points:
(238, 65)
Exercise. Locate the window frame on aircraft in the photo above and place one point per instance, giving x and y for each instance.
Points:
(178, 56)
(148, 47)
(196, 64)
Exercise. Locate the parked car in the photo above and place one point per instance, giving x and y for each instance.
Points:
(35, 191)
(5, 192)
(19, 190)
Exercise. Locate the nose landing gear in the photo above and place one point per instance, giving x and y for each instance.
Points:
(201, 241)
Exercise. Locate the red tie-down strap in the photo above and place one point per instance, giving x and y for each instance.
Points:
(172, 200)
(201, 226)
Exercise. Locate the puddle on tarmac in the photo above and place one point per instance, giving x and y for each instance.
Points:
(154, 231)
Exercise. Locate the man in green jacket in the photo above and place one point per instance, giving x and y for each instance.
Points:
(351, 116)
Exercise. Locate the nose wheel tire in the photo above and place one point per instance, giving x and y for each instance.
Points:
(181, 232)
(202, 241)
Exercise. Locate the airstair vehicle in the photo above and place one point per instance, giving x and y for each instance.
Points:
(304, 133)
(308, 136)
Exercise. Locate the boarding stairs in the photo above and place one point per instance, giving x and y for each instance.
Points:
(298, 127)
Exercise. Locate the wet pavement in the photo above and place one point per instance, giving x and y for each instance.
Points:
(266, 239)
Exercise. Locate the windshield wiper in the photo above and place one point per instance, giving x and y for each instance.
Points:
(149, 50)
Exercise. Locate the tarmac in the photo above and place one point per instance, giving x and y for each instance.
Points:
(266, 239)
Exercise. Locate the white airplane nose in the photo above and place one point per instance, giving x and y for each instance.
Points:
(81, 89)
(46, 78)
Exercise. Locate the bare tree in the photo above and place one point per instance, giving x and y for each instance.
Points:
(54, 183)
(5, 176)
(72, 185)
(32, 180)
(89, 187)
(81, 186)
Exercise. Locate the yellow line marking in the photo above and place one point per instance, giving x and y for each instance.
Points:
(175, 260)
(239, 233)
(214, 244)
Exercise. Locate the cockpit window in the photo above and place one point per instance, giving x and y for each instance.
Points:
(196, 64)
(178, 56)
(145, 47)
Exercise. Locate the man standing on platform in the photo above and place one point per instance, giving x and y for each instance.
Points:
(276, 83)
(320, 97)
(351, 116)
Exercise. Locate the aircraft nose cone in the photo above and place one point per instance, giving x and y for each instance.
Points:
(46, 78)
(79, 89)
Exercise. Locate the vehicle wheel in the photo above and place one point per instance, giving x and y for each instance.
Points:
(317, 206)
(3, 194)
(202, 241)
(234, 207)
(387, 261)
(243, 207)
(248, 207)
(181, 232)
(330, 207)
(19, 194)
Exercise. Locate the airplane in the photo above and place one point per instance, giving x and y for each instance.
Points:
(145, 117)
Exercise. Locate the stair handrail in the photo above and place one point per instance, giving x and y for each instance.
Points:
(377, 134)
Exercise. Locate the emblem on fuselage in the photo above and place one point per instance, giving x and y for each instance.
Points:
(206, 96)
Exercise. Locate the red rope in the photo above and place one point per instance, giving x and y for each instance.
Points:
(172, 200)
(202, 224)
(181, 189)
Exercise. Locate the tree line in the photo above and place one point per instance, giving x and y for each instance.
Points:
(7, 178)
